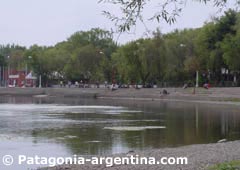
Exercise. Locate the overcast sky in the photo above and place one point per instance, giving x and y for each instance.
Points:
(46, 22)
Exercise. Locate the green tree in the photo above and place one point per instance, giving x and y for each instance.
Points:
(39, 62)
(102, 46)
(132, 11)
(84, 64)
(215, 33)
(140, 61)
(231, 52)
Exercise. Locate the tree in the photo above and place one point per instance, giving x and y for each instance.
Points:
(102, 46)
(140, 61)
(85, 55)
(2, 65)
(84, 64)
(40, 63)
(132, 11)
(215, 34)
(2, 60)
(231, 50)
(14, 55)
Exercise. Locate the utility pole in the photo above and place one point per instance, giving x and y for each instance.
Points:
(40, 81)
(197, 79)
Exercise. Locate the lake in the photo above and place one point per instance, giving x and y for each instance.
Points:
(68, 126)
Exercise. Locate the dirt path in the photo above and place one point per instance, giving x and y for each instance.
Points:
(189, 94)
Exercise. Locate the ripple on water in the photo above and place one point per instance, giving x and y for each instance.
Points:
(49, 108)
(134, 128)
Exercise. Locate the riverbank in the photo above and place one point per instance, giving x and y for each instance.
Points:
(200, 157)
(175, 94)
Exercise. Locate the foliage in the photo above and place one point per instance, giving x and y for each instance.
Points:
(234, 165)
(12, 54)
(131, 11)
(2, 61)
(175, 57)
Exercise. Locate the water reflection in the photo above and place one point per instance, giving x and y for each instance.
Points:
(78, 125)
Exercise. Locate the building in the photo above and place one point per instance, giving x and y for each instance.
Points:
(16, 78)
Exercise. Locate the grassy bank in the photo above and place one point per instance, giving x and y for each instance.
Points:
(233, 165)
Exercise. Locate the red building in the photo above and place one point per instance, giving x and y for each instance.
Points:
(16, 78)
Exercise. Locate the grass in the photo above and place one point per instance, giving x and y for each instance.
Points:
(234, 165)
(233, 99)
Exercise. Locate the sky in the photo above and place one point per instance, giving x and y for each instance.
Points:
(47, 22)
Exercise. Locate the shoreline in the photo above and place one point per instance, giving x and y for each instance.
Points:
(200, 157)
(213, 95)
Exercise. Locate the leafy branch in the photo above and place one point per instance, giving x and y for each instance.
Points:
(132, 11)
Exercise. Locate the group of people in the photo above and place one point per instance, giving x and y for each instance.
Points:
(80, 84)
(77, 84)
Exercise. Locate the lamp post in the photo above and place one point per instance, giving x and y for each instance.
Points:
(4, 76)
(8, 75)
(197, 79)
(40, 74)
(40, 81)
(26, 71)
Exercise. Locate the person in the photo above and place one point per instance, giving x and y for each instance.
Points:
(105, 84)
(69, 84)
(206, 86)
(185, 86)
(164, 92)
(76, 84)
(137, 87)
(81, 84)
(114, 87)
(97, 84)
(61, 83)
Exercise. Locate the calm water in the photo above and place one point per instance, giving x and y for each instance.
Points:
(64, 126)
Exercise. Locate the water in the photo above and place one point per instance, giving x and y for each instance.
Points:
(68, 126)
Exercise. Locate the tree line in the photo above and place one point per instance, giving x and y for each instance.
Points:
(165, 59)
